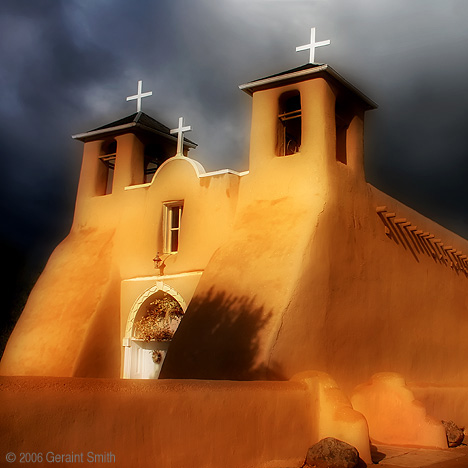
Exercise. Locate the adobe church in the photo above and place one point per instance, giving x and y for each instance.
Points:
(295, 265)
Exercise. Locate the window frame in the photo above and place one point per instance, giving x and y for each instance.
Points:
(169, 229)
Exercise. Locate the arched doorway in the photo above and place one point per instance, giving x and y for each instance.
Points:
(152, 322)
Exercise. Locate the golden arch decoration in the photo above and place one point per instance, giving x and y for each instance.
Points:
(159, 286)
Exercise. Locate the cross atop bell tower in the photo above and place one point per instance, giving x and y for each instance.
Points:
(139, 95)
(180, 130)
(312, 46)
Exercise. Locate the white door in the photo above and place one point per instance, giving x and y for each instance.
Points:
(147, 358)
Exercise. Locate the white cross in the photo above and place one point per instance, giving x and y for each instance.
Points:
(180, 134)
(312, 45)
(139, 95)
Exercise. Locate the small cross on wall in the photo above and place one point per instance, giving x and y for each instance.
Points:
(312, 46)
(139, 95)
(180, 135)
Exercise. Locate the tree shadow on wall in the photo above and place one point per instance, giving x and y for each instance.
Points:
(219, 338)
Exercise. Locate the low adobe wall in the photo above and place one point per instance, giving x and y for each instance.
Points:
(394, 415)
(447, 403)
(184, 423)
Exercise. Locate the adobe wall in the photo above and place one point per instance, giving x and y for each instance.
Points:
(209, 206)
(370, 301)
(70, 318)
(235, 316)
(72, 324)
(300, 271)
(136, 211)
(309, 279)
(444, 402)
(196, 424)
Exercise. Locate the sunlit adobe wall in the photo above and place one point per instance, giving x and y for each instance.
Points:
(310, 278)
(78, 288)
(237, 313)
(178, 423)
(208, 202)
(377, 293)
(71, 325)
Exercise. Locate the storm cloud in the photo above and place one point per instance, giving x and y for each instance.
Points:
(68, 65)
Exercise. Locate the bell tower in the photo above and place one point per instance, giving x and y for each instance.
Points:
(126, 152)
(309, 112)
(123, 153)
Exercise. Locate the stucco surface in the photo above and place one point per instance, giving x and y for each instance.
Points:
(336, 417)
(68, 326)
(72, 324)
(309, 277)
(394, 416)
(301, 268)
(367, 302)
(231, 326)
(443, 402)
(228, 328)
(184, 423)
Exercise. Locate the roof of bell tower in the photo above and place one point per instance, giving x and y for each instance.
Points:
(303, 73)
(138, 121)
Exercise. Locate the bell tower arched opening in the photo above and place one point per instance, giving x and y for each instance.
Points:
(289, 123)
(343, 117)
(107, 157)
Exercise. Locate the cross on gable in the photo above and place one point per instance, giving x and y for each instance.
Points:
(180, 135)
(139, 95)
(312, 46)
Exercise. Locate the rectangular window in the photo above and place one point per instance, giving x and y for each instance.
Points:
(172, 223)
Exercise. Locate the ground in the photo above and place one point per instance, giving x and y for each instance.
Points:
(407, 457)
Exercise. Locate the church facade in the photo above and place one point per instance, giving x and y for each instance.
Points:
(296, 264)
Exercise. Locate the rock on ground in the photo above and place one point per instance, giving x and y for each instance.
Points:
(455, 434)
(332, 453)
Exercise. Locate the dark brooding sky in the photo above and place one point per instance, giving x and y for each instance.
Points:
(66, 66)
